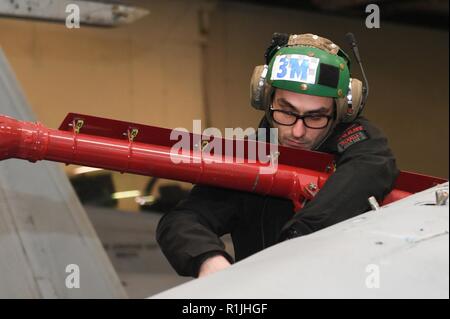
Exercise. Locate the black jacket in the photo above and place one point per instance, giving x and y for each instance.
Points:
(191, 233)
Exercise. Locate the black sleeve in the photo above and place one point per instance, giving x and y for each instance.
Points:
(365, 168)
(191, 232)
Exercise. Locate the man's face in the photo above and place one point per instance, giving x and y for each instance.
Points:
(298, 135)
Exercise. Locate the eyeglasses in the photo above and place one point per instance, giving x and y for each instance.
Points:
(289, 118)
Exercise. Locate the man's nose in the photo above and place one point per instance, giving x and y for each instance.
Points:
(299, 129)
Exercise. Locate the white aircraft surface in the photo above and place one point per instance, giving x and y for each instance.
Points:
(398, 251)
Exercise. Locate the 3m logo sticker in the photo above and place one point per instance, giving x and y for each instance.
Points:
(352, 135)
(295, 67)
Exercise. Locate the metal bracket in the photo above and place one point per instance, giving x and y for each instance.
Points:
(331, 168)
(311, 189)
(77, 125)
(273, 157)
(441, 197)
(132, 133)
(204, 145)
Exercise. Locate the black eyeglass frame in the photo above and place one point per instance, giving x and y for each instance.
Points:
(299, 117)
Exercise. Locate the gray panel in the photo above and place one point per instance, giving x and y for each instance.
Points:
(43, 227)
(129, 239)
(404, 244)
(93, 12)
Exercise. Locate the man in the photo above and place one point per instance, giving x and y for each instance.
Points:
(307, 94)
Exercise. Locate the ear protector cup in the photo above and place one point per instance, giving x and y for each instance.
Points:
(260, 90)
(348, 108)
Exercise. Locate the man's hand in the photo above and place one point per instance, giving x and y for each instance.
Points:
(213, 264)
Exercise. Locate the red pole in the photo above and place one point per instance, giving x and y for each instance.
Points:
(34, 142)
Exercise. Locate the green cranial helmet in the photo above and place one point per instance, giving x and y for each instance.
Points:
(307, 64)
(310, 65)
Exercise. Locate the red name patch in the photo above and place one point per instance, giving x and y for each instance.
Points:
(352, 129)
(352, 135)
